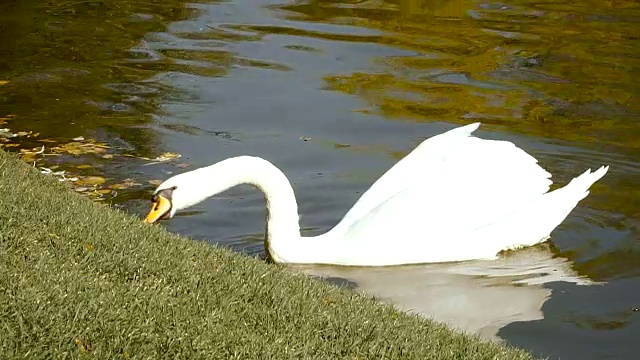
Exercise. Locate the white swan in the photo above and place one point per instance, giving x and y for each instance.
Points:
(455, 197)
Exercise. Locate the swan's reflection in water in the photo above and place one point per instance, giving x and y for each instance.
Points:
(475, 296)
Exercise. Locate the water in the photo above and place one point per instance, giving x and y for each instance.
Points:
(334, 92)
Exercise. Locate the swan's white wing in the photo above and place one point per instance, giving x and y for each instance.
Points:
(474, 223)
(410, 168)
(439, 198)
(453, 167)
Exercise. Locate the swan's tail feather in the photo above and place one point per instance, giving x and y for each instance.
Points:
(466, 129)
(535, 224)
(558, 204)
(581, 184)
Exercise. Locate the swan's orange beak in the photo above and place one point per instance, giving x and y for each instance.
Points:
(160, 207)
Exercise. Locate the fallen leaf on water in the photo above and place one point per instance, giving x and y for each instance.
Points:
(160, 158)
(167, 156)
(127, 183)
(79, 138)
(155, 182)
(83, 166)
(7, 133)
(90, 180)
(78, 148)
(4, 82)
(82, 189)
(107, 156)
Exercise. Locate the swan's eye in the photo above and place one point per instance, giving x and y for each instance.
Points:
(155, 200)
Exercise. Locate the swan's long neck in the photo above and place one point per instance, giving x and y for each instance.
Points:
(283, 229)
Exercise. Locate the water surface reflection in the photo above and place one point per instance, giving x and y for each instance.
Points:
(475, 296)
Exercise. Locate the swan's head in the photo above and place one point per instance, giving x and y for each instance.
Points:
(162, 207)
(180, 192)
(187, 189)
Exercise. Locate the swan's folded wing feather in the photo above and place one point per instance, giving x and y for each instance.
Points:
(408, 170)
(486, 178)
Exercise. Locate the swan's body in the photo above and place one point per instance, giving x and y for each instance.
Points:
(455, 197)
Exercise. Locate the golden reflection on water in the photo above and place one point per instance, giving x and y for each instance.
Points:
(565, 71)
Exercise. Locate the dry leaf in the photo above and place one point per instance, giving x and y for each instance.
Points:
(7, 133)
(78, 148)
(124, 185)
(155, 182)
(167, 156)
(91, 180)
(4, 82)
(83, 166)
(107, 156)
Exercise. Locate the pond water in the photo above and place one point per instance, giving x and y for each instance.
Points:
(334, 92)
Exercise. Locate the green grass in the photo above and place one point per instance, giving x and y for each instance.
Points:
(80, 280)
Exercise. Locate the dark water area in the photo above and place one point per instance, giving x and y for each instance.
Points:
(333, 93)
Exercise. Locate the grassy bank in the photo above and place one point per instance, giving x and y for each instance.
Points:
(80, 280)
